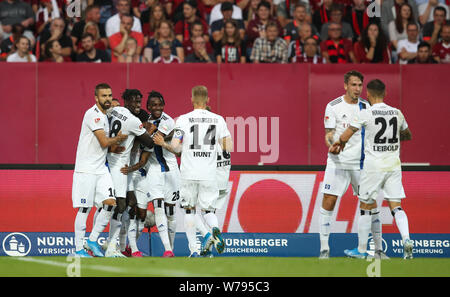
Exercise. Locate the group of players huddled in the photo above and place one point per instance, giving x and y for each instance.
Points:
(127, 157)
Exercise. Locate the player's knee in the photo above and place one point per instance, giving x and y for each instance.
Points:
(131, 199)
(121, 205)
(328, 202)
(141, 214)
(111, 202)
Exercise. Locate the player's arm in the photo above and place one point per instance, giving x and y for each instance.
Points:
(106, 141)
(227, 144)
(142, 161)
(174, 146)
(146, 139)
(405, 135)
(329, 134)
(339, 145)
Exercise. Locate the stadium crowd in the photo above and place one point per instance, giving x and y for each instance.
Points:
(225, 31)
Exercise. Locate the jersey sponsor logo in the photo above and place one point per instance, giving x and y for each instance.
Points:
(97, 120)
(141, 126)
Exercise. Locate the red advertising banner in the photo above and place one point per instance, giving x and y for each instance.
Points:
(262, 201)
(274, 112)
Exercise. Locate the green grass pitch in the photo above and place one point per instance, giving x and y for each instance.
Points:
(221, 267)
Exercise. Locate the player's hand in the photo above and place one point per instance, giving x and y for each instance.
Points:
(121, 137)
(150, 127)
(335, 148)
(125, 169)
(117, 149)
(158, 139)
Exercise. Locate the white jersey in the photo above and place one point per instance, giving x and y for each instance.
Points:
(123, 120)
(383, 124)
(161, 160)
(223, 167)
(200, 131)
(338, 115)
(91, 157)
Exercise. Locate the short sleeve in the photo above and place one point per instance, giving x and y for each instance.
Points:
(330, 118)
(95, 121)
(361, 119)
(166, 127)
(179, 128)
(136, 127)
(403, 124)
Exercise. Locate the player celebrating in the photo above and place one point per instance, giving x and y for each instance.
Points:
(385, 127)
(163, 174)
(92, 183)
(196, 134)
(343, 169)
(125, 119)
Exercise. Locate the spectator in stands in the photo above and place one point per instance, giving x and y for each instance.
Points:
(310, 53)
(22, 53)
(17, 12)
(427, 9)
(216, 13)
(249, 11)
(322, 14)
(231, 47)
(89, 53)
(257, 27)
(92, 16)
(286, 11)
(199, 55)
(151, 20)
(407, 48)
(356, 15)
(423, 55)
(397, 28)
(296, 46)
(189, 17)
(113, 23)
(291, 30)
(131, 53)
(53, 52)
(270, 48)
(337, 49)
(196, 29)
(57, 31)
(166, 56)
(164, 32)
(7, 45)
(441, 50)
(391, 8)
(373, 46)
(45, 13)
(336, 15)
(431, 31)
(118, 41)
(217, 27)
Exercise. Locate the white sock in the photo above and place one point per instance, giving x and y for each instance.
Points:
(80, 227)
(364, 227)
(210, 219)
(191, 234)
(325, 227)
(102, 220)
(140, 228)
(200, 225)
(171, 223)
(132, 231)
(161, 224)
(114, 230)
(124, 230)
(376, 229)
(402, 222)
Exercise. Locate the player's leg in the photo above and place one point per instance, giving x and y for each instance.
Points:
(188, 200)
(161, 223)
(394, 193)
(83, 191)
(171, 225)
(133, 227)
(335, 183)
(208, 194)
(104, 199)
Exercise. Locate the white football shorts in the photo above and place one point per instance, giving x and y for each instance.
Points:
(164, 185)
(89, 190)
(336, 181)
(141, 189)
(371, 182)
(120, 181)
(202, 193)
